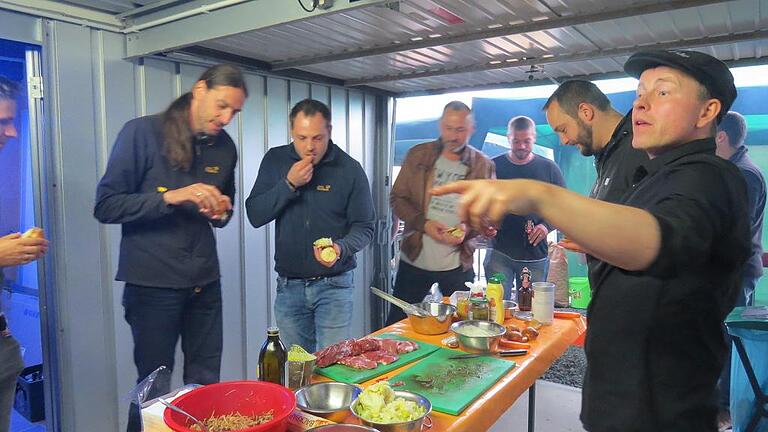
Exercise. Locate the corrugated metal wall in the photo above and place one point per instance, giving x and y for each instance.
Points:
(90, 93)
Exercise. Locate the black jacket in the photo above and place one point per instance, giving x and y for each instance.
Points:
(162, 245)
(655, 346)
(336, 203)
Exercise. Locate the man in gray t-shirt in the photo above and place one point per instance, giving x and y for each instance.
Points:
(441, 256)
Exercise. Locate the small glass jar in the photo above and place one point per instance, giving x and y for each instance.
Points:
(479, 310)
(462, 308)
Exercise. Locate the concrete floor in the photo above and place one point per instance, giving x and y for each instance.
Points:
(557, 410)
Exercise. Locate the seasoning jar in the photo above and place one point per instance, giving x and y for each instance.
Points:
(478, 309)
(462, 308)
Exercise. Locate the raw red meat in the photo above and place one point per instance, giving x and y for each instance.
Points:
(366, 344)
(388, 345)
(333, 353)
(382, 357)
(406, 346)
(358, 362)
(349, 352)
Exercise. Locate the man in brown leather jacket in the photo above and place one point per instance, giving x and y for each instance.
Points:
(436, 246)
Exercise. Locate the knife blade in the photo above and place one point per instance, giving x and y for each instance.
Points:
(504, 353)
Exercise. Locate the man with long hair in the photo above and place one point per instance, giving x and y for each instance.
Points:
(14, 250)
(169, 180)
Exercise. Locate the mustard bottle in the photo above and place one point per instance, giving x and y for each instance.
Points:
(495, 294)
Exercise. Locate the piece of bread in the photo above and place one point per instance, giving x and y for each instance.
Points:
(34, 232)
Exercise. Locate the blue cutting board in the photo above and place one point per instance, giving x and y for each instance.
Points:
(338, 372)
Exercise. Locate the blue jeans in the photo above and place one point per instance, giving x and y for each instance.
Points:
(158, 317)
(499, 263)
(314, 313)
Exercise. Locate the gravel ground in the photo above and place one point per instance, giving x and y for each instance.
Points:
(570, 367)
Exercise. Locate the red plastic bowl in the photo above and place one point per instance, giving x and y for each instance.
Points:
(245, 397)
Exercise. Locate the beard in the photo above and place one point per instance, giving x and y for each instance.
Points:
(521, 154)
(585, 139)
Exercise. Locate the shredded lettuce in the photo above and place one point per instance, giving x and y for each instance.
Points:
(378, 404)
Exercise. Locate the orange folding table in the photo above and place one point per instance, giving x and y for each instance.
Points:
(481, 414)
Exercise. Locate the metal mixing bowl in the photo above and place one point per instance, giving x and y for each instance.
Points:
(478, 344)
(438, 323)
(410, 426)
(330, 400)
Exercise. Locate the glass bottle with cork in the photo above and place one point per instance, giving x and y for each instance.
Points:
(524, 291)
(272, 358)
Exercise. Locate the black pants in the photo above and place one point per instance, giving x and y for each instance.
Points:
(412, 284)
(158, 316)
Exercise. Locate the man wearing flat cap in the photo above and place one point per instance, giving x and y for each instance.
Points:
(675, 246)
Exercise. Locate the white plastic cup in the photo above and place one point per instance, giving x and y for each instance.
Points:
(543, 304)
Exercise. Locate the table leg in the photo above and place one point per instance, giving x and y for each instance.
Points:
(760, 398)
(532, 407)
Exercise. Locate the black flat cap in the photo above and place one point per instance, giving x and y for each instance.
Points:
(710, 72)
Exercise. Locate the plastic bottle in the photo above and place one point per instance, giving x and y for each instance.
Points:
(272, 358)
(495, 294)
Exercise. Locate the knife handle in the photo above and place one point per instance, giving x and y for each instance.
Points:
(512, 353)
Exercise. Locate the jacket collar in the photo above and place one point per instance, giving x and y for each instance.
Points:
(652, 166)
(739, 154)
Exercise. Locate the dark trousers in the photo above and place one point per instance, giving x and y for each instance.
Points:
(413, 283)
(11, 366)
(158, 316)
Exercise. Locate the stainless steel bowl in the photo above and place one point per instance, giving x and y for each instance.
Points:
(438, 323)
(410, 426)
(509, 309)
(330, 400)
(478, 344)
(343, 428)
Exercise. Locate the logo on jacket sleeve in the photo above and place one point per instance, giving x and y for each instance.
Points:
(212, 169)
(324, 188)
(162, 189)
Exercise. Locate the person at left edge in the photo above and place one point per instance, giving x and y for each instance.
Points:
(313, 190)
(169, 180)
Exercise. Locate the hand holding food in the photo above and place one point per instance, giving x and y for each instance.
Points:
(300, 172)
(435, 230)
(34, 232)
(326, 251)
(16, 249)
(537, 234)
(455, 235)
(207, 198)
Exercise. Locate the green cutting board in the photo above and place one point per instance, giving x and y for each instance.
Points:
(350, 375)
(450, 392)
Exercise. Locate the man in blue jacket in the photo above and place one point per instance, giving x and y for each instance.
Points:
(170, 178)
(731, 133)
(313, 190)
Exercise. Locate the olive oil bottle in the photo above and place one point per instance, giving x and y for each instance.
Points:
(272, 358)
